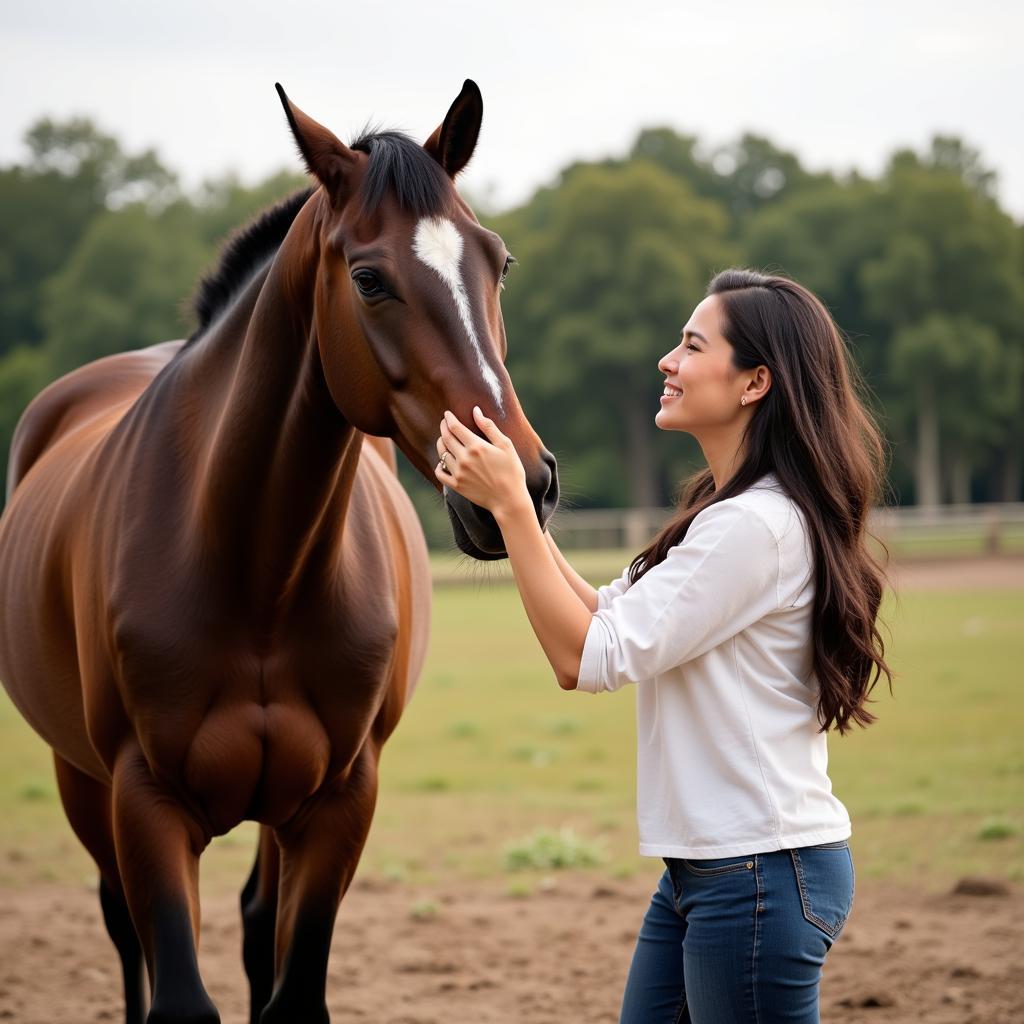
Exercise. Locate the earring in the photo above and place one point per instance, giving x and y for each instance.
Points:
(743, 400)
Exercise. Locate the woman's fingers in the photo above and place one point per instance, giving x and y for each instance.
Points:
(489, 427)
(449, 440)
(462, 433)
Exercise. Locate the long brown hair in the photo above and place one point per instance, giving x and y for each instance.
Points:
(812, 430)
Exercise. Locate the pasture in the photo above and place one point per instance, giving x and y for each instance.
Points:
(490, 750)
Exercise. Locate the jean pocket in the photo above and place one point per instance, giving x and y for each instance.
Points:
(719, 865)
(825, 879)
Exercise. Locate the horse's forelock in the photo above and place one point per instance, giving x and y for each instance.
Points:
(399, 165)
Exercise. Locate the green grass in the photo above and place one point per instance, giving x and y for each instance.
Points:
(491, 750)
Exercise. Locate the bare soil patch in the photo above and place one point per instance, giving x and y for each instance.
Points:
(1001, 572)
(472, 953)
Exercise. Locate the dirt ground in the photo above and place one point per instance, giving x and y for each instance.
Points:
(981, 573)
(474, 953)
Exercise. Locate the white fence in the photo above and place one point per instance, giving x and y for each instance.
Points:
(989, 529)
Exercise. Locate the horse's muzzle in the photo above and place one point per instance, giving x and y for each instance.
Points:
(475, 530)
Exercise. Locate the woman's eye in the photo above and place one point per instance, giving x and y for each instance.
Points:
(368, 282)
(690, 344)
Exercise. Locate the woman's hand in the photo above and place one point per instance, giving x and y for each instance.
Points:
(488, 472)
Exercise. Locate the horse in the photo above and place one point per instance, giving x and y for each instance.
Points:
(214, 592)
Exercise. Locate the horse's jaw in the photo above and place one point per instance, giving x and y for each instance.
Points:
(475, 531)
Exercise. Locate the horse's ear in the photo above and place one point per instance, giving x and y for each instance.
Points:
(325, 155)
(455, 139)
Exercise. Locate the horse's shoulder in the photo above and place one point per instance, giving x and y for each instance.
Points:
(91, 392)
(384, 448)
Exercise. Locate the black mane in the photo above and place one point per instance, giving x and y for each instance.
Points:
(242, 253)
(398, 165)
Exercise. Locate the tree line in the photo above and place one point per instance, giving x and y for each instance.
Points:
(920, 266)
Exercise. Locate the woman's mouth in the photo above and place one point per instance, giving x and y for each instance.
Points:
(669, 394)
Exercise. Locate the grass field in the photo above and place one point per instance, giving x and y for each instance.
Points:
(490, 749)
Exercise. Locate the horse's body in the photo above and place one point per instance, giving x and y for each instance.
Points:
(165, 593)
(214, 599)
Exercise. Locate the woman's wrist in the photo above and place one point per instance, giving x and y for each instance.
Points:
(515, 508)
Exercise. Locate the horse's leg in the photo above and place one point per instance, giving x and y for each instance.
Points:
(158, 847)
(320, 849)
(259, 915)
(87, 804)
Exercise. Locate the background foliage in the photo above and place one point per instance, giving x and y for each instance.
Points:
(921, 267)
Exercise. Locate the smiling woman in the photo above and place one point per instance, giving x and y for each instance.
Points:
(748, 627)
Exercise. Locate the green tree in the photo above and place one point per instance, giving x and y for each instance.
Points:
(223, 205)
(23, 373)
(607, 277)
(74, 172)
(124, 286)
(943, 278)
(955, 373)
(745, 175)
(77, 150)
(919, 268)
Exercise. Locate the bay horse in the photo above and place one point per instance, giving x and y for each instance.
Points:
(214, 593)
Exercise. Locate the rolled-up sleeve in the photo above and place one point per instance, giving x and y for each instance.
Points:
(720, 579)
(608, 593)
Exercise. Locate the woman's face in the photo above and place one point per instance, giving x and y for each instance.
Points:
(701, 367)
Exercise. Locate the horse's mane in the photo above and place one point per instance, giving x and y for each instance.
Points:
(398, 165)
(242, 253)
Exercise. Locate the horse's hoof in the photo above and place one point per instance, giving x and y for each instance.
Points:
(167, 1013)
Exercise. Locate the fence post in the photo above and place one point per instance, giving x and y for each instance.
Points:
(635, 528)
(993, 524)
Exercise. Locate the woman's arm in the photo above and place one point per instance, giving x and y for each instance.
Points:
(587, 594)
(491, 475)
(557, 612)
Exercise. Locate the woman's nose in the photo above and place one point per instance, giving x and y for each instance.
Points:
(667, 364)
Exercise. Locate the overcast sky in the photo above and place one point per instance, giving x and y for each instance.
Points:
(841, 84)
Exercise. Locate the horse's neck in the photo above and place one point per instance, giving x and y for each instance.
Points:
(278, 452)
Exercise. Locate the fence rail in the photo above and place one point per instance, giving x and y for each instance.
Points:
(982, 529)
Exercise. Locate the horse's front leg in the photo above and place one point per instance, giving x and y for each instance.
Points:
(158, 846)
(88, 805)
(320, 849)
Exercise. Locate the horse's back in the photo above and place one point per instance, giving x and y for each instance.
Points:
(100, 390)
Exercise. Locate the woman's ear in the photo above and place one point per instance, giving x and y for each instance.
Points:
(759, 385)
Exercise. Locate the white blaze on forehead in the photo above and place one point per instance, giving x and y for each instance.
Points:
(438, 244)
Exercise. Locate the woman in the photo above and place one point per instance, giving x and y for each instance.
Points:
(749, 628)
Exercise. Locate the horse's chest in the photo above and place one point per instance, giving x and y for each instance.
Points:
(252, 735)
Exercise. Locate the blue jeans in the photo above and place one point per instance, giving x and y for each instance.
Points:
(740, 940)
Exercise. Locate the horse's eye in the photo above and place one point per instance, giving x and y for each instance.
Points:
(368, 283)
(509, 261)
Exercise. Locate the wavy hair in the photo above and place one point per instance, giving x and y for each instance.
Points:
(813, 431)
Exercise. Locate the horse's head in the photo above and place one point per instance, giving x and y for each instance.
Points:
(407, 303)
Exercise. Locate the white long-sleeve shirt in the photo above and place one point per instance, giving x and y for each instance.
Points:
(717, 638)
